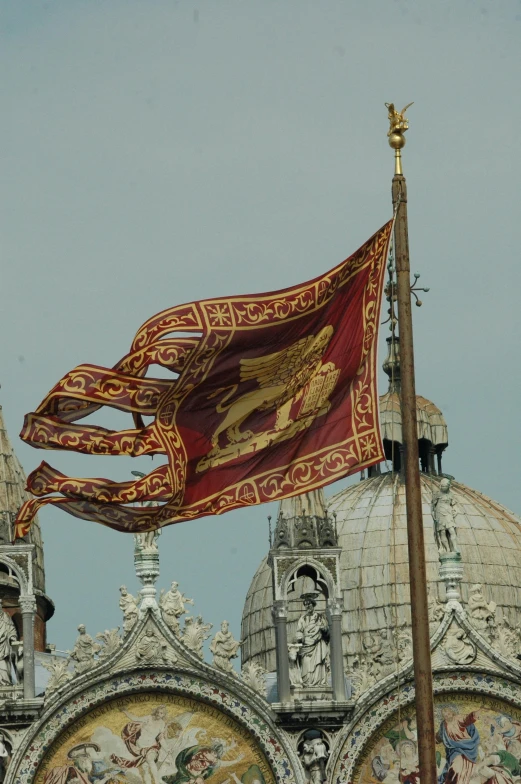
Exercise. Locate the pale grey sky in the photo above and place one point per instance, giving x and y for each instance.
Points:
(156, 152)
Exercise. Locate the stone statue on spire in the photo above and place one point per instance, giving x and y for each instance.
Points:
(172, 605)
(224, 648)
(128, 605)
(443, 515)
(84, 651)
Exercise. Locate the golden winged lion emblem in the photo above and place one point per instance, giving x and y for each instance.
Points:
(293, 382)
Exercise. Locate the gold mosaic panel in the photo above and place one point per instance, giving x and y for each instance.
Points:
(478, 742)
(155, 738)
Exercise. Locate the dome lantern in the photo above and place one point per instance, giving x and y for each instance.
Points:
(433, 437)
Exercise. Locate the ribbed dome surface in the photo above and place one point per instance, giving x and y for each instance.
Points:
(374, 575)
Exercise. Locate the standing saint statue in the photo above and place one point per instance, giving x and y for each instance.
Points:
(313, 636)
(224, 648)
(128, 605)
(84, 651)
(314, 756)
(172, 604)
(8, 637)
(443, 514)
(147, 541)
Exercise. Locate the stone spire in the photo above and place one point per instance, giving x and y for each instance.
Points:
(12, 496)
(303, 522)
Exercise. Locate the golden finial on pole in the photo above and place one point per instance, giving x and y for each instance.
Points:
(398, 124)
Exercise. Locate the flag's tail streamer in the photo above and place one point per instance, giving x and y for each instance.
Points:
(44, 432)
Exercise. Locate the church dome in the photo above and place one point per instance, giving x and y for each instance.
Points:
(374, 576)
(370, 525)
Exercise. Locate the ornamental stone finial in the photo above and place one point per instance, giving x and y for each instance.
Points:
(146, 563)
(482, 613)
(254, 675)
(59, 674)
(195, 632)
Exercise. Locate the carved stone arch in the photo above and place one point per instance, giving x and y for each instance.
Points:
(353, 744)
(328, 736)
(19, 574)
(314, 567)
(58, 722)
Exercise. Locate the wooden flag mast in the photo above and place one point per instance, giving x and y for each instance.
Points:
(417, 569)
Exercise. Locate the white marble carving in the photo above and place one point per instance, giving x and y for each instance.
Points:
(380, 650)
(404, 644)
(84, 651)
(313, 638)
(59, 674)
(195, 632)
(172, 604)
(147, 541)
(457, 646)
(295, 676)
(5, 757)
(314, 757)
(224, 648)
(253, 674)
(443, 514)
(8, 652)
(128, 605)
(110, 641)
(482, 613)
(507, 639)
(360, 678)
(151, 648)
(436, 608)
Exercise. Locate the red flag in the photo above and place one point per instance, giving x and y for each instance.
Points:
(275, 395)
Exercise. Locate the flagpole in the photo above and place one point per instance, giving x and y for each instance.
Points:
(417, 568)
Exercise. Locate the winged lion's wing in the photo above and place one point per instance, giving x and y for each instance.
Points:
(277, 368)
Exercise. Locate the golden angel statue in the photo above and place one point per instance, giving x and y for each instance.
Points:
(398, 123)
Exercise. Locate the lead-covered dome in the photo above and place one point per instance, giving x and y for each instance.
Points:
(372, 535)
(371, 529)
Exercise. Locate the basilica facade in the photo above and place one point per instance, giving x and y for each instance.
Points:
(320, 688)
